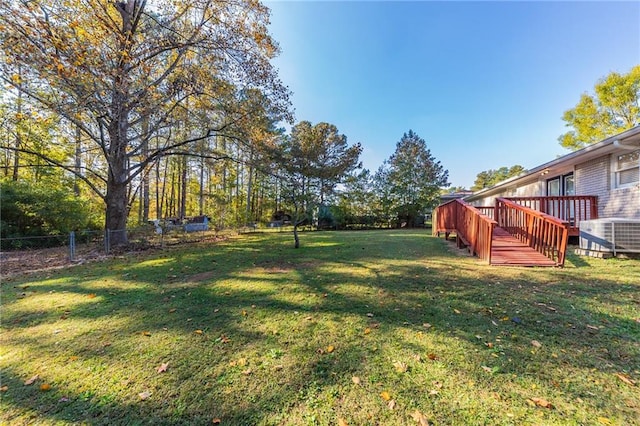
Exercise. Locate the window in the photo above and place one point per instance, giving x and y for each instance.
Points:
(569, 185)
(553, 187)
(626, 169)
(561, 185)
(557, 187)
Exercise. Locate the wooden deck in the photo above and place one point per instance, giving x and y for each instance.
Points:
(508, 251)
(518, 236)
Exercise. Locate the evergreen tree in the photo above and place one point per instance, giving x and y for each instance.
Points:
(414, 179)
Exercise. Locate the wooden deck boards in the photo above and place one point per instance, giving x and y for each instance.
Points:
(508, 251)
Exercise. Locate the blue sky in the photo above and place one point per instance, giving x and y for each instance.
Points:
(484, 83)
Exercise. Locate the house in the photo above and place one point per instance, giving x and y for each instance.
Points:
(593, 193)
(606, 173)
(454, 196)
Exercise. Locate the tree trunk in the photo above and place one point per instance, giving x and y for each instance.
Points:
(78, 162)
(116, 211)
(18, 142)
(296, 239)
(249, 188)
(144, 197)
(183, 188)
(201, 200)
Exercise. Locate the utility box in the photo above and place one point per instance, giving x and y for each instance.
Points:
(610, 234)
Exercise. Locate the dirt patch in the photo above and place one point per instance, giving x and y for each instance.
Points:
(13, 263)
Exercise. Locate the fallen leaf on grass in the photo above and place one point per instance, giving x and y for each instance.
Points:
(91, 295)
(625, 378)
(144, 395)
(216, 421)
(330, 348)
(244, 313)
(593, 327)
(247, 372)
(456, 311)
(73, 358)
(4, 388)
(32, 380)
(370, 315)
(385, 395)
(163, 367)
(45, 387)
(146, 333)
(426, 325)
(432, 357)
(342, 422)
(172, 310)
(391, 404)
(433, 392)
(487, 369)
(536, 343)
(604, 421)
(198, 331)
(400, 366)
(367, 330)
(541, 402)
(356, 380)
(420, 418)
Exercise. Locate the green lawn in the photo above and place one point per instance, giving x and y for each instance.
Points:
(357, 328)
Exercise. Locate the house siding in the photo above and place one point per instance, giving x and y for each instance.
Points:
(533, 189)
(594, 178)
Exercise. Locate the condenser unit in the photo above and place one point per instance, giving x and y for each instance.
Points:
(610, 235)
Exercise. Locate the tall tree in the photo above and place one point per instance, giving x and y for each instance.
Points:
(613, 108)
(488, 178)
(312, 161)
(122, 63)
(414, 178)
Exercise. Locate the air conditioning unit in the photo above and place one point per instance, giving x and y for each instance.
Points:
(610, 234)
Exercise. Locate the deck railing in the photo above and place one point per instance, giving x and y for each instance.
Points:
(570, 208)
(542, 232)
(486, 210)
(472, 228)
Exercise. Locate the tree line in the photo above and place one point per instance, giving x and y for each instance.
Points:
(125, 111)
(161, 109)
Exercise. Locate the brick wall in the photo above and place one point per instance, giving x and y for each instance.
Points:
(594, 178)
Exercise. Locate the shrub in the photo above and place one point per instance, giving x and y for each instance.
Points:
(28, 210)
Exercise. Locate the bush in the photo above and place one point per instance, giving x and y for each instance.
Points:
(28, 210)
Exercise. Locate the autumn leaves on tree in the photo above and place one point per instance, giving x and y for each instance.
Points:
(134, 102)
(126, 73)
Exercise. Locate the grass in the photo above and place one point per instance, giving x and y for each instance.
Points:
(255, 332)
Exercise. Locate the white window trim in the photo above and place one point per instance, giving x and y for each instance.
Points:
(615, 172)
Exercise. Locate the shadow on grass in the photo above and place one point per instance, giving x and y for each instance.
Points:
(250, 299)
